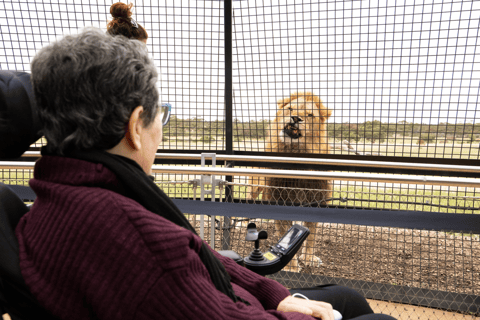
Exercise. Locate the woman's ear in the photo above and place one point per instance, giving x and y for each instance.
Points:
(134, 129)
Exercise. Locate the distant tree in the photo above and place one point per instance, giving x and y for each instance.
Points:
(207, 139)
(260, 128)
(238, 133)
(194, 126)
(442, 128)
(218, 126)
(176, 127)
(417, 128)
(354, 135)
(343, 131)
(350, 132)
(428, 137)
(372, 130)
(404, 128)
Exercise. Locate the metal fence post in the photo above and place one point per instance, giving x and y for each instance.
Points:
(228, 111)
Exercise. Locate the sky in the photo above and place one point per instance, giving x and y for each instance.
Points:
(387, 60)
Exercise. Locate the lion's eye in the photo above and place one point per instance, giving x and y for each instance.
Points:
(310, 115)
(290, 108)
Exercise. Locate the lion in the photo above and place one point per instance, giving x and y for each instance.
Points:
(299, 127)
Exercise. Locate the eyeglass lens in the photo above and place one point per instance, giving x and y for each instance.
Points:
(166, 110)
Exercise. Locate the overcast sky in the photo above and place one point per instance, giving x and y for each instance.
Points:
(388, 60)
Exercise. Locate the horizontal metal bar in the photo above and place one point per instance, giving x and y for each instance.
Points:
(295, 174)
(314, 161)
(10, 165)
(335, 162)
(321, 175)
(34, 154)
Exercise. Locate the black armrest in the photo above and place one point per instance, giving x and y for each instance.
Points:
(233, 255)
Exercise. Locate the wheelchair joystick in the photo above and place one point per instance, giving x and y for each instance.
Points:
(254, 235)
(278, 255)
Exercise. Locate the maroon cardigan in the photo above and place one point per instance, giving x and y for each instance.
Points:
(89, 252)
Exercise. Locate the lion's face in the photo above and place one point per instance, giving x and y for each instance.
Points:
(300, 124)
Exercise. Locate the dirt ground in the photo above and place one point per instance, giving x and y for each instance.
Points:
(408, 312)
(421, 259)
(413, 258)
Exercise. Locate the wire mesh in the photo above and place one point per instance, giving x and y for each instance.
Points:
(382, 262)
(185, 41)
(191, 57)
(377, 261)
(417, 258)
(357, 195)
(400, 78)
(385, 264)
(388, 259)
(16, 176)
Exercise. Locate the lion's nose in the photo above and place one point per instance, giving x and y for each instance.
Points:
(296, 119)
(292, 130)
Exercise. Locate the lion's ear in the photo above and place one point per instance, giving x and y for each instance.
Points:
(283, 102)
(324, 112)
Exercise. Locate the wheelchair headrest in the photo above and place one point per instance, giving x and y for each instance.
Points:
(19, 123)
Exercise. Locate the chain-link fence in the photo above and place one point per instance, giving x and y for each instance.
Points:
(408, 266)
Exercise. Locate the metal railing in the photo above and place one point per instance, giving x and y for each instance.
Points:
(314, 161)
(301, 174)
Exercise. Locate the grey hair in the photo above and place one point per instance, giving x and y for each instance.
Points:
(86, 87)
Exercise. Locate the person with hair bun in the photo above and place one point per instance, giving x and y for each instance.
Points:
(123, 23)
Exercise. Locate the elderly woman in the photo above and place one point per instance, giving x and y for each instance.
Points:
(102, 241)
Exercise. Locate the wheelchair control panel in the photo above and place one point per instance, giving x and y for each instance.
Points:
(278, 255)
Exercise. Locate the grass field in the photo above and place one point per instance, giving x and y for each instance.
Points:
(15, 177)
(430, 200)
(404, 147)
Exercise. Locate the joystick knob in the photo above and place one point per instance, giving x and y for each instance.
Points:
(256, 255)
(254, 235)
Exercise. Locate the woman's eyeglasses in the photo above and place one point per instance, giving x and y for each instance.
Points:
(166, 110)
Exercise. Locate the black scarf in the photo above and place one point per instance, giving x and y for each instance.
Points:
(141, 188)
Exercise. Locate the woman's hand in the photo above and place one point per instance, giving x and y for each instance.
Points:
(317, 309)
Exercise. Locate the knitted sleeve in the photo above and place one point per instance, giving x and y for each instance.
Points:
(268, 292)
(183, 290)
(188, 293)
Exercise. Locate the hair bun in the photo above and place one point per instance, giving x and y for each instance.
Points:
(121, 10)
